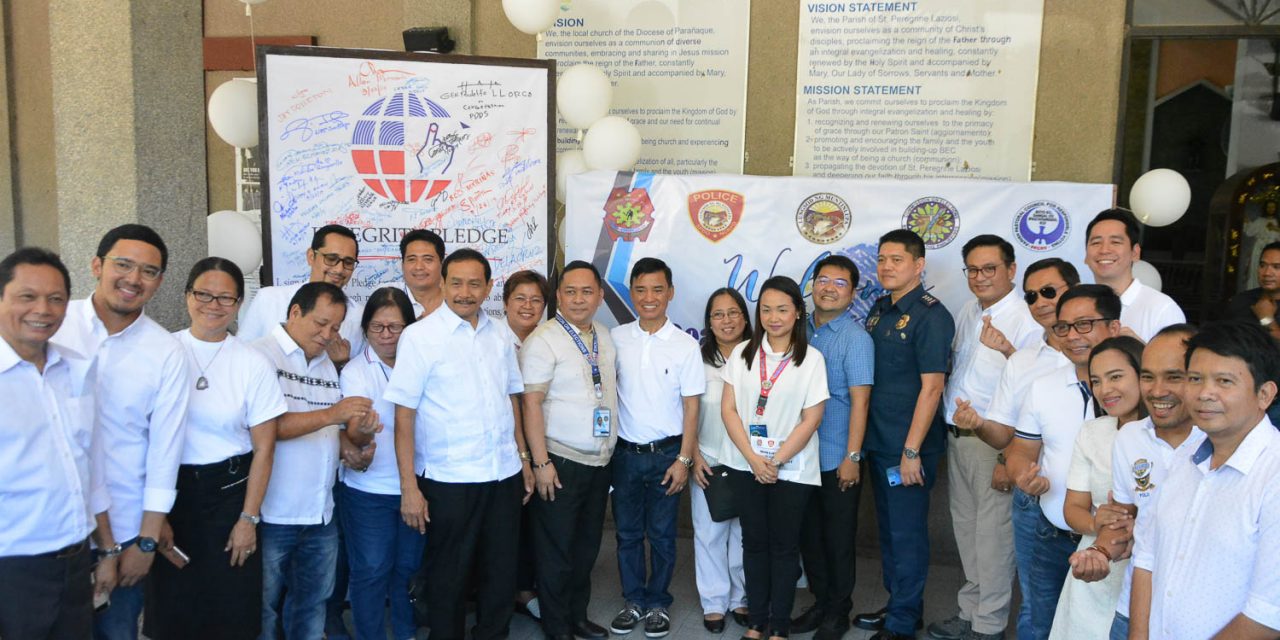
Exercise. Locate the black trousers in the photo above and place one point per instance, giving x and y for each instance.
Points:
(771, 517)
(47, 596)
(827, 545)
(473, 525)
(566, 537)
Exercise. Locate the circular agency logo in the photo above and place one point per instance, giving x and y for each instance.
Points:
(403, 146)
(934, 219)
(1042, 225)
(823, 218)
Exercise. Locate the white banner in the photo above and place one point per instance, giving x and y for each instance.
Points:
(736, 231)
(924, 89)
(679, 72)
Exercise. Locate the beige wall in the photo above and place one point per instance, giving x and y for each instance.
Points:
(31, 113)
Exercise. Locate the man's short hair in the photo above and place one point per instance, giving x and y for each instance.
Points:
(311, 292)
(906, 238)
(1065, 269)
(318, 238)
(422, 235)
(645, 266)
(1185, 329)
(34, 256)
(1247, 341)
(1104, 299)
(988, 240)
(840, 262)
(139, 232)
(525, 277)
(1271, 246)
(580, 264)
(463, 255)
(1122, 216)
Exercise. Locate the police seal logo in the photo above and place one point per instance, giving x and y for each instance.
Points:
(715, 213)
(1142, 475)
(934, 219)
(903, 322)
(1042, 225)
(823, 218)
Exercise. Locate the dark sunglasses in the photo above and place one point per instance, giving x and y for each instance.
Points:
(1048, 292)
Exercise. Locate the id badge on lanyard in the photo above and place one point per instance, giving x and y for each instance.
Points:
(601, 417)
(758, 430)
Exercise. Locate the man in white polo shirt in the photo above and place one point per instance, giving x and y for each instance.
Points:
(142, 386)
(421, 252)
(660, 379)
(1111, 249)
(1207, 552)
(299, 533)
(570, 404)
(1056, 404)
(456, 386)
(989, 329)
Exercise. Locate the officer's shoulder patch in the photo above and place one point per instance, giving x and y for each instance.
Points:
(928, 299)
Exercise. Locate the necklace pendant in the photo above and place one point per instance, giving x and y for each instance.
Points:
(202, 383)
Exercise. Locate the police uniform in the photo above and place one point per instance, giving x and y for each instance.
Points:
(912, 337)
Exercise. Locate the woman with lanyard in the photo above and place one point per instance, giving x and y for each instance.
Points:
(774, 391)
(383, 552)
(226, 464)
(717, 546)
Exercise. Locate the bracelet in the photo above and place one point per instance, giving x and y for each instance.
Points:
(1100, 549)
(111, 552)
(542, 465)
(525, 456)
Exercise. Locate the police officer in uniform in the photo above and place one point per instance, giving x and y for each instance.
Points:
(906, 436)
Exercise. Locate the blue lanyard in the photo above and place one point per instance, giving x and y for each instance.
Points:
(593, 358)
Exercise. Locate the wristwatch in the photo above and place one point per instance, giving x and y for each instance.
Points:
(112, 552)
(910, 453)
(685, 460)
(147, 545)
(855, 456)
(256, 520)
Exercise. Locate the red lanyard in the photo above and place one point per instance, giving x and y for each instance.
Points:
(767, 385)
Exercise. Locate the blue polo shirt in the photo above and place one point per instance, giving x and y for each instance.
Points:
(850, 358)
(911, 337)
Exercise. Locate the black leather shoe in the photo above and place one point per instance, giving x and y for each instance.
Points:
(809, 620)
(833, 628)
(885, 634)
(740, 618)
(714, 626)
(588, 630)
(873, 621)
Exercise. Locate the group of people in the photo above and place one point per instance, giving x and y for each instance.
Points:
(412, 453)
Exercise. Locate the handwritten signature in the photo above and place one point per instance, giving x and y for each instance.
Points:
(308, 128)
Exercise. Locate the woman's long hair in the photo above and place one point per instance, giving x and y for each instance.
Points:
(710, 350)
(1131, 347)
(799, 332)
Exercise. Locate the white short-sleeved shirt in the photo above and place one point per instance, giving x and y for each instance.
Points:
(417, 306)
(242, 394)
(655, 373)
(796, 389)
(142, 390)
(270, 308)
(712, 438)
(976, 368)
(1140, 461)
(366, 376)
(1022, 368)
(302, 475)
(51, 481)
(552, 363)
(1213, 541)
(460, 381)
(1052, 414)
(1147, 311)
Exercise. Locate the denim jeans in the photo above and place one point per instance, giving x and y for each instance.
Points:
(120, 620)
(384, 554)
(1026, 516)
(301, 559)
(1053, 549)
(642, 509)
(1120, 627)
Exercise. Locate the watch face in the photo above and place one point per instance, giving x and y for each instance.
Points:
(911, 454)
(147, 545)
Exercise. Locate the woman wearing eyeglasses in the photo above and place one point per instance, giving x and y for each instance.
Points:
(226, 463)
(382, 551)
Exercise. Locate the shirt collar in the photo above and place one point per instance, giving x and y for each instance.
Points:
(1131, 294)
(96, 324)
(10, 358)
(664, 332)
(909, 299)
(836, 323)
(1246, 454)
(1010, 299)
(452, 320)
(286, 341)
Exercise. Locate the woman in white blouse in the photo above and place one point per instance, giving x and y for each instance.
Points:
(230, 436)
(1086, 609)
(717, 546)
(774, 391)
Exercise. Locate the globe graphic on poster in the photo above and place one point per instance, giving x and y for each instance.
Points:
(403, 147)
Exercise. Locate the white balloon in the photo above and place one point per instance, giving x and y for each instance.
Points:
(531, 16)
(232, 235)
(1146, 273)
(612, 143)
(583, 94)
(1160, 197)
(569, 163)
(233, 112)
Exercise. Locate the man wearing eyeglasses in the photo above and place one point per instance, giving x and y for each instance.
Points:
(143, 387)
(1056, 404)
(1111, 249)
(333, 257)
(989, 329)
(831, 520)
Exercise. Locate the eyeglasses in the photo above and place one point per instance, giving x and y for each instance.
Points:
(125, 266)
(394, 328)
(1049, 293)
(205, 297)
(732, 314)
(1082, 326)
(840, 283)
(332, 260)
(986, 270)
(536, 301)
